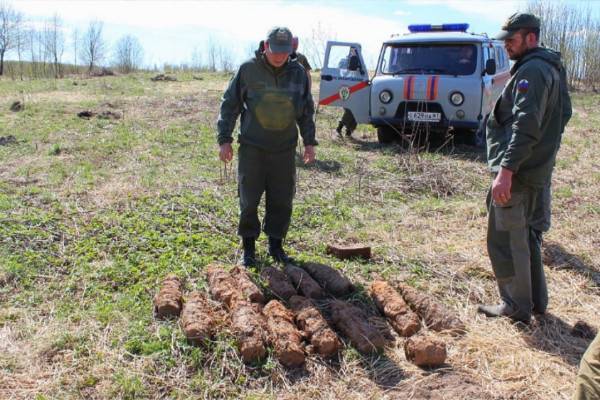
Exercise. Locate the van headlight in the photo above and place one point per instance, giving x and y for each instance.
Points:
(457, 98)
(385, 96)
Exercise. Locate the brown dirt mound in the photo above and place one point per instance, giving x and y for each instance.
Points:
(249, 288)
(110, 115)
(198, 319)
(249, 327)
(17, 106)
(303, 281)
(86, 114)
(283, 334)
(164, 78)
(425, 351)
(352, 322)
(344, 252)
(434, 314)
(6, 140)
(323, 339)
(391, 304)
(168, 301)
(329, 278)
(278, 283)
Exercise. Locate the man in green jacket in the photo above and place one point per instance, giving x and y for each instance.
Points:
(272, 95)
(523, 136)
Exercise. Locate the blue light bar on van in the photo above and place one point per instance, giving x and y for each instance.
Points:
(438, 28)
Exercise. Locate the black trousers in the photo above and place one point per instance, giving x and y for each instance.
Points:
(274, 174)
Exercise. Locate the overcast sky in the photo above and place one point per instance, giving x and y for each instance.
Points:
(170, 30)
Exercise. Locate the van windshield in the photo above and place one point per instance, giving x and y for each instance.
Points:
(429, 58)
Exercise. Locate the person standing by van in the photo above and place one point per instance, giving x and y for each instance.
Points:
(523, 136)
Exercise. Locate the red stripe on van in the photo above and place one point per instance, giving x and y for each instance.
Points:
(335, 97)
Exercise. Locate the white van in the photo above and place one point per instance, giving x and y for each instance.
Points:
(438, 75)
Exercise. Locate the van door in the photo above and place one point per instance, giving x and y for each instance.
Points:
(345, 80)
(487, 98)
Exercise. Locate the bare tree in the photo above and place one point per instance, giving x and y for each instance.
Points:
(316, 44)
(93, 45)
(212, 54)
(196, 59)
(21, 43)
(75, 41)
(128, 54)
(571, 29)
(54, 43)
(10, 22)
(225, 59)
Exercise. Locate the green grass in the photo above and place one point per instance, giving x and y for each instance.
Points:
(94, 213)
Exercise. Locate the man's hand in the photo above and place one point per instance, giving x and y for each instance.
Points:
(226, 152)
(309, 154)
(501, 186)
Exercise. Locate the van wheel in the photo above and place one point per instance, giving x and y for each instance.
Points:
(386, 134)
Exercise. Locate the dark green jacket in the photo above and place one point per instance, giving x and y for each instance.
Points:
(273, 103)
(525, 128)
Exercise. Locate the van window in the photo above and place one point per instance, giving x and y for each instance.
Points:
(344, 57)
(429, 58)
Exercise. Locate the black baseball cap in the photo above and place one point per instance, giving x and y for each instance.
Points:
(280, 40)
(515, 22)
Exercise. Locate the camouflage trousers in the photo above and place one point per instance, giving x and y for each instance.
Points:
(274, 174)
(587, 385)
(515, 249)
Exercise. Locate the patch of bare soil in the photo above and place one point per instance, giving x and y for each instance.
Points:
(392, 305)
(329, 278)
(323, 340)
(168, 301)
(446, 386)
(283, 334)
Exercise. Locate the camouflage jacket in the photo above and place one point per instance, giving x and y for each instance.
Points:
(273, 103)
(525, 128)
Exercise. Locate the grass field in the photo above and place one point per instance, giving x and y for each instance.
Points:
(95, 212)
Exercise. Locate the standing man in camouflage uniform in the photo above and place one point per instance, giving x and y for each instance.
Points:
(272, 95)
(523, 136)
(301, 59)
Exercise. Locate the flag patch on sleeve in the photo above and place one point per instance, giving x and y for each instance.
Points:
(523, 86)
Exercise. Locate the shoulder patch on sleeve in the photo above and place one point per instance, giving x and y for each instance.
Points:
(523, 86)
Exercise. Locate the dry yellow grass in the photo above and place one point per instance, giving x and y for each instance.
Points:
(423, 214)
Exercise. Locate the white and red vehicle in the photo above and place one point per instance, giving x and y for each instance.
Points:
(440, 75)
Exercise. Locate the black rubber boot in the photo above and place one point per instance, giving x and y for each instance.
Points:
(503, 310)
(249, 256)
(276, 251)
(339, 129)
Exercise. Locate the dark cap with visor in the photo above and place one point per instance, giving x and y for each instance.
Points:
(280, 40)
(515, 22)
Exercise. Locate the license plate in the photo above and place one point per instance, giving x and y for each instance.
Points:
(424, 116)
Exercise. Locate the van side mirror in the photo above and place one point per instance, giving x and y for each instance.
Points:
(490, 66)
